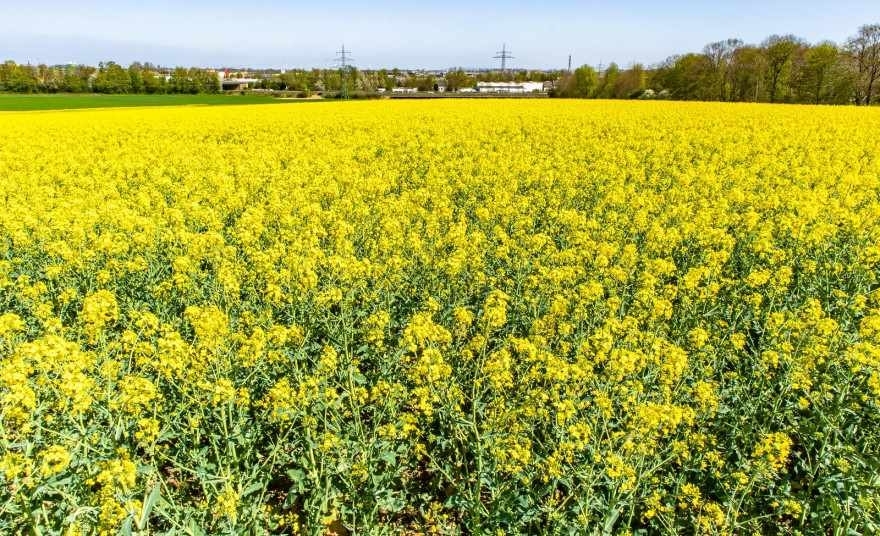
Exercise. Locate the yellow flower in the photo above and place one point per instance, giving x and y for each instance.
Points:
(698, 337)
(209, 323)
(148, 430)
(495, 310)
(463, 318)
(55, 459)
(328, 360)
(773, 450)
(226, 503)
(14, 465)
(758, 278)
(10, 323)
(689, 496)
(223, 392)
(375, 326)
(98, 311)
(136, 394)
(449, 299)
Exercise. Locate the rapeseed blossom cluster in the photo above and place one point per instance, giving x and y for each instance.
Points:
(449, 317)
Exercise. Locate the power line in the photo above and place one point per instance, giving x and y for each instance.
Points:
(344, 59)
(503, 55)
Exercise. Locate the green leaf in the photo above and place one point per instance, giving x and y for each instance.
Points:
(126, 527)
(194, 529)
(297, 479)
(253, 488)
(610, 521)
(149, 502)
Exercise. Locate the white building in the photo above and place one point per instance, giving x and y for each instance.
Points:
(235, 84)
(510, 87)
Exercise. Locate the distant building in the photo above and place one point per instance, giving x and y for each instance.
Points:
(510, 87)
(403, 90)
(236, 84)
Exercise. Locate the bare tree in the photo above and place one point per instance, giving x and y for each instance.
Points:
(865, 48)
(719, 54)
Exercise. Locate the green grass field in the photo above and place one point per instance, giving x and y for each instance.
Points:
(16, 102)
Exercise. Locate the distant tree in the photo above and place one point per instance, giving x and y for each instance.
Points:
(18, 78)
(385, 80)
(814, 77)
(112, 78)
(332, 80)
(6, 70)
(582, 83)
(420, 82)
(48, 78)
(586, 80)
(300, 80)
(351, 76)
(719, 55)
(687, 77)
(457, 79)
(273, 82)
(289, 80)
(426, 83)
(779, 51)
(24, 79)
(180, 81)
(136, 77)
(608, 82)
(75, 78)
(745, 74)
(203, 80)
(314, 78)
(631, 82)
(154, 82)
(865, 49)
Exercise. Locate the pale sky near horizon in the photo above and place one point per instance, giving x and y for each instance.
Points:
(394, 33)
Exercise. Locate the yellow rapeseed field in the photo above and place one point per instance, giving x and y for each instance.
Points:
(442, 317)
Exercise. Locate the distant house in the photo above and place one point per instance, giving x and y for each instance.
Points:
(510, 87)
(236, 84)
(403, 90)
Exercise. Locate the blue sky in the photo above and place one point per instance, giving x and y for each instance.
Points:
(411, 33)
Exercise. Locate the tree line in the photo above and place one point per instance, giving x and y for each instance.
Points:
(107, 77)
(783, 68)
(308, 80)
(110, 77)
